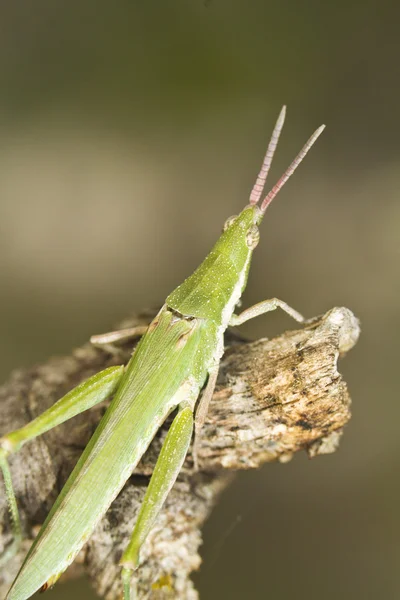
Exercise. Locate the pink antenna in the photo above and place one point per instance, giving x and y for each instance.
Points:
(262, 176)
(268, 199)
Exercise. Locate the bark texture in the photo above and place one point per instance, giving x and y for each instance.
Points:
(273, 398)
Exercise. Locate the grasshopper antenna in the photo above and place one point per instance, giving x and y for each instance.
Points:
(262, 176)
(268, 199)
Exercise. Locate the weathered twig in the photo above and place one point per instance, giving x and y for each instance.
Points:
(274, 398)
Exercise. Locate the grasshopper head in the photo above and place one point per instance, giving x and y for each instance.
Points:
(214, 289)
(251, 216)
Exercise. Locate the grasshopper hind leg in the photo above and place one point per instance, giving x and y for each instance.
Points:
(16, 528)
(165, 472)
(86, 395)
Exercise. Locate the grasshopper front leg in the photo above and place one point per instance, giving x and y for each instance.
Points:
(166, 471)
(92, 391)
(254, 311)
(263, 307)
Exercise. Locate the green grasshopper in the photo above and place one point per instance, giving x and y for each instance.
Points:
(176, 357)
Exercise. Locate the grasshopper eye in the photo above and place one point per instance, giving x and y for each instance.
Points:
(252, 237)
(229, 222)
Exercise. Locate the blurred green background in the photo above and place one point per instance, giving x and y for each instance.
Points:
(129, 132)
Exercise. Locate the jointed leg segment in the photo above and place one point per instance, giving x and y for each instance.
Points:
(109, 341)
(166, 471)
(13, 508)
(202, 410)
(84, 396)
(264, 307)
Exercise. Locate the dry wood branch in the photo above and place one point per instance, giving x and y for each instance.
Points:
(274, 398)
